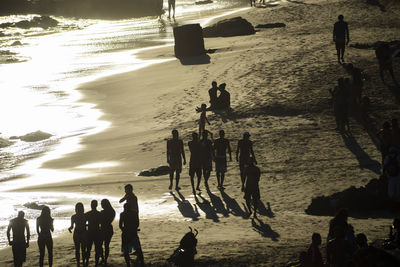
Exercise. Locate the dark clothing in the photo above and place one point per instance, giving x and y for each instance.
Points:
(220, 164)
(252, 174)
(132, 201)
(314, 257)
(129, 222)
(220, 146)
(107, 217)
(224, 100)
(245, 148)
(213, 96)
(338, 252)
(195, 154)
(340, 31)
(19, 251)
(18, 229)
(206, 152)
(174, 151)
(94, 220)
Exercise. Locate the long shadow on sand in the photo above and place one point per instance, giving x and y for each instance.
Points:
(197, 60)
(185, 207)
(363, 158)
(207, 208)
(266, 211)
(217, 203)
(264, 229)
(233, 207)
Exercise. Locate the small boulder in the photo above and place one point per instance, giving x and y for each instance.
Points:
(35, 136)
(16, 43)
(229, 27)
(161, 170)
(189, 41)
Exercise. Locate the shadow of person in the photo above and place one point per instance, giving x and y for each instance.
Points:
(233, 207)
(185, 208)
(217, 203)
(264, 229)
(226, 114)
(195, 60)
(262, 210)
(206, 207)
(363, 158)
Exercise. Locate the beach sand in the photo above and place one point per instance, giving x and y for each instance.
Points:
(278, 80)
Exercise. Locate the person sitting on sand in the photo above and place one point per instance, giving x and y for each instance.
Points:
(314, 256)
(129, 223)
(80, 233)
(130, 198)
(94, 234)
(340, 37)
(221, 147)
(107, 216)
(195, 161)
(18, 226)
(224, 98)
(203, 119)
(339, 221)
(252, 191)
(361, 241)
(212, 92)
(243, 152)
(338, 249)
(44, 227)
(175, 153)
(385, 57)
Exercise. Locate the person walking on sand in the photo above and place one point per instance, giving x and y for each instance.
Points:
(212, 92)
(44, 227)
(129, 223)
(18, 226)
(175, 153)
(252, 191)
(206, 157)
(94, 235)
(340, 37)
(171, 4)
(107, 216)
(203, 119)
(80, 233)
(195, 161)
(221, 147)
(243, 152)
(130, 198)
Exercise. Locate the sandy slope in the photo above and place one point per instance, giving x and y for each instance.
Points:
(279, 81)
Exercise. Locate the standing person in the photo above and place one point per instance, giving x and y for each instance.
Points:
(243, 152)
(129, 223)
(341, 37)
(80, 233)
(221, 146)
(107, 216)
(195, 161)
(252, 191)
(385, 60)
(314, 256)
(44, 227)
(206, 157)
(171, 4)
(175, 153)
(213, 94)
(203, 119)
(18, 226)
(94, 236)
(130, 198)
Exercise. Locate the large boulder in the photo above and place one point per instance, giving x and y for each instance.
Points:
(229, 27)
(189, 41)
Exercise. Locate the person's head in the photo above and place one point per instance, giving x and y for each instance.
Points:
(342, 215)
(246, 135)
(361, 240)
(204, 134)
(21, 214)
(45, 212)
(126, 207)
(394, 123)
(105, 204)
(93, 204)
(340, 17)
(222, 86)
(221, 133)
(128, 188)
(195, 136)
(316, 239)
(203, 107)
(175, 134)
(79, 208)
(214, 84)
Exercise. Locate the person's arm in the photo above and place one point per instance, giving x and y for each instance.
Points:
(122, 199)
(121, 222)
(258, 175)
(52, 225)
(167, 151)
(28, 233)
(237, 151)
(8, 234)
(37, 226)
(347, 34)
(334, 32)
(72, 224)
(183, 153)
(229, 151)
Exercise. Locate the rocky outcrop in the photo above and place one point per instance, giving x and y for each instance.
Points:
(189, 41)
(33, 137)
(162, 170)
(229, 27)
(37, 22)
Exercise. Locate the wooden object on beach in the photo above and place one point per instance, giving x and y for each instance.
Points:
(189, 40)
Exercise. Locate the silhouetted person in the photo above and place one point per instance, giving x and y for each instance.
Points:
(385, 139)
(18, 226)
(203, 119)
(195, 161)
(130, 198)
(129, 223)
(107, 216)
(212, 92)
(221, 147)
(252, 191)
(338, 249)
(171, 4)
(357, 82)
(44, 227)
(206, 157)
(361, 241)
(339, 104)
(224, 98)
(175, 153)
(94, 235)
(341, 37)
(314, 256)
(243, 152)
(78, 220)
(339, 221)
(385, 56)
(252, 2)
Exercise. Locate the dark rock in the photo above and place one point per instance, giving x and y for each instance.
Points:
(229, 27)
(34, 206)
(37, 22)
(203, 2)
(271, 25)
(6, 25)
(162, 170)
(189, 41)
(16, 43)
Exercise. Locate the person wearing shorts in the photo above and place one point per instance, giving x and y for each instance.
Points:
(252, 191)
(195, 161)
(206, 157)
(340, 37)
(243, 152)
(221, 146)
(175, 153)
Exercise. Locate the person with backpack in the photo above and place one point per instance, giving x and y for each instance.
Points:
(184, 254)
(391, 168)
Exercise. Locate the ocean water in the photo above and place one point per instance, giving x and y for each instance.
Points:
(39, 72)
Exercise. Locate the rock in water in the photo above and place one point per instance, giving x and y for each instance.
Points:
(4, 143)
(34, 137)
(189, 41)
(229, 27)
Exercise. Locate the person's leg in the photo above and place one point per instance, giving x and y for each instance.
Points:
(222, 179)
(77, 245)
(49, 245)
(139, 254)
(169, 10)
(177, 176)
(171, 179)
(89, 248)
(173, 7)
(218, 178)
(342, 52)
(107, 241)
(248, 203)
(98, 250)
(84, 256)
(127, 259)
(338, 54)
(206, 176)
(241, 167)
(41, 245)
(198, 174)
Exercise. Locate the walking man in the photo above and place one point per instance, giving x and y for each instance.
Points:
(243, 152)
(221, 146)
(175, 153)
(206, 157)
(341, 37)
(195, 161)
(252, 191)
(94, 234)
(18, 226)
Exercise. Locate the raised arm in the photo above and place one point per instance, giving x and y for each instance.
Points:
(122, 199)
